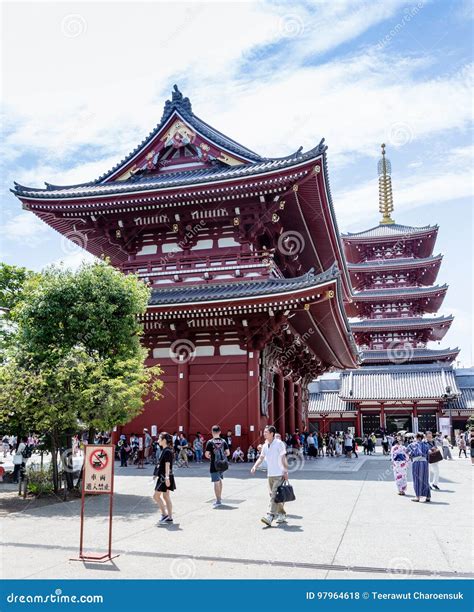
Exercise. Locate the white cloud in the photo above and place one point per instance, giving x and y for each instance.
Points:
(25, 229)
(75, 259)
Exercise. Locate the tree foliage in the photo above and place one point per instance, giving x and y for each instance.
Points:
(76, 359)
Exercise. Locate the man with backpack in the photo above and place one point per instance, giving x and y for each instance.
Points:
(217, 450)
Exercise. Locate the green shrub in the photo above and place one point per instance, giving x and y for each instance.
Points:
(40, 480)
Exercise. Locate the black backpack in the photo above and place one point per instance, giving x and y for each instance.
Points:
(220, 460)
(27, 452)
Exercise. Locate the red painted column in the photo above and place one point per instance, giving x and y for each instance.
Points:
(358, 423)
(253, 399)
(415, 415)
(299, 408)
(183, 408)
(382, 416)
(280, 416)
(291, 407)
(271, 403)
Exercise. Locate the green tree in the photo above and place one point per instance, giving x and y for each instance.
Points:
(12, 282)
(77, 358)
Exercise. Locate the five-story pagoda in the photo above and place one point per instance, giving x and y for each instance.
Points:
(403, 383)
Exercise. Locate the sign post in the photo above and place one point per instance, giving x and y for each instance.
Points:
(98, 479)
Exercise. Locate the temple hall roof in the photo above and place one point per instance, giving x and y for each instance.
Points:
(168, 180)
(398, 382)
(328, 401)
(238, 289)
(417, 355)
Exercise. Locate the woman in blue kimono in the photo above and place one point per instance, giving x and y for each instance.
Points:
(418, 452)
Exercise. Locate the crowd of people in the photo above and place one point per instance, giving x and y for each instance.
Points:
(218, 451)
(424, 453)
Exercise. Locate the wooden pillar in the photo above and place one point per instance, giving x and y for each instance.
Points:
(291, 407)
(415, 416)
(358, 423)
(271, 402)
(183, 407)
(253, 398)
(382, 416)
(299, 408)
(280, 405)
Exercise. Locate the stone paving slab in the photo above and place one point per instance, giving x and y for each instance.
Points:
(340, 521)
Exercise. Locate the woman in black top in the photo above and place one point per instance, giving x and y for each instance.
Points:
(165, 479)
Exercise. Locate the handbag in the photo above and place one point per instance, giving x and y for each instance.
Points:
(434, 456)
(284, 493)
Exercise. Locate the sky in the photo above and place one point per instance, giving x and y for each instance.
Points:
(84, 82)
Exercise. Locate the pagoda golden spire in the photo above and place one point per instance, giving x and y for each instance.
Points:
(385, 189)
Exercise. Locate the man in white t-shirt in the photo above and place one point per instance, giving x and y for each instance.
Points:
(274, 453)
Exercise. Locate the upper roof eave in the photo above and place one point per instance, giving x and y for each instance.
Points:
(172, 181)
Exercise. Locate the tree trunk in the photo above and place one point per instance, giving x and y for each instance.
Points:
(91, 435)
(54, 461)
(68, 463)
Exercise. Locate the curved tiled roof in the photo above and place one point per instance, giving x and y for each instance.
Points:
(388, 230)
(412, 355)
(407, 382)
(399, 291)
(400, 322)
(464, 402)
(394, 263)
(172, 179)
(203, 292)
(328, 401)
(182, 105)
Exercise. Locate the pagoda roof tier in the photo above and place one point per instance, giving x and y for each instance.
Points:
(438, 326)
(394, 230)
(421, 239)
(327, 402)
(311, 303)
(398, 382)
(394, 263)
(429, 299)
(417, 355)
(429, 267)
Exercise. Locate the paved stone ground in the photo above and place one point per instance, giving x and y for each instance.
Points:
(347, 522)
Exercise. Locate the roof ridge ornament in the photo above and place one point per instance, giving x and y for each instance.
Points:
(177, 102)
(385, 189)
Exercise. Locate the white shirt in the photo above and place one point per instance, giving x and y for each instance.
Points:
(273, 453)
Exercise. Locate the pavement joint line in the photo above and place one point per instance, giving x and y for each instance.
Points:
(292, 564)
(348, 521)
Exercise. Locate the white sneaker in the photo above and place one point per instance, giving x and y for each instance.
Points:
(267, 520)
(281, 518)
